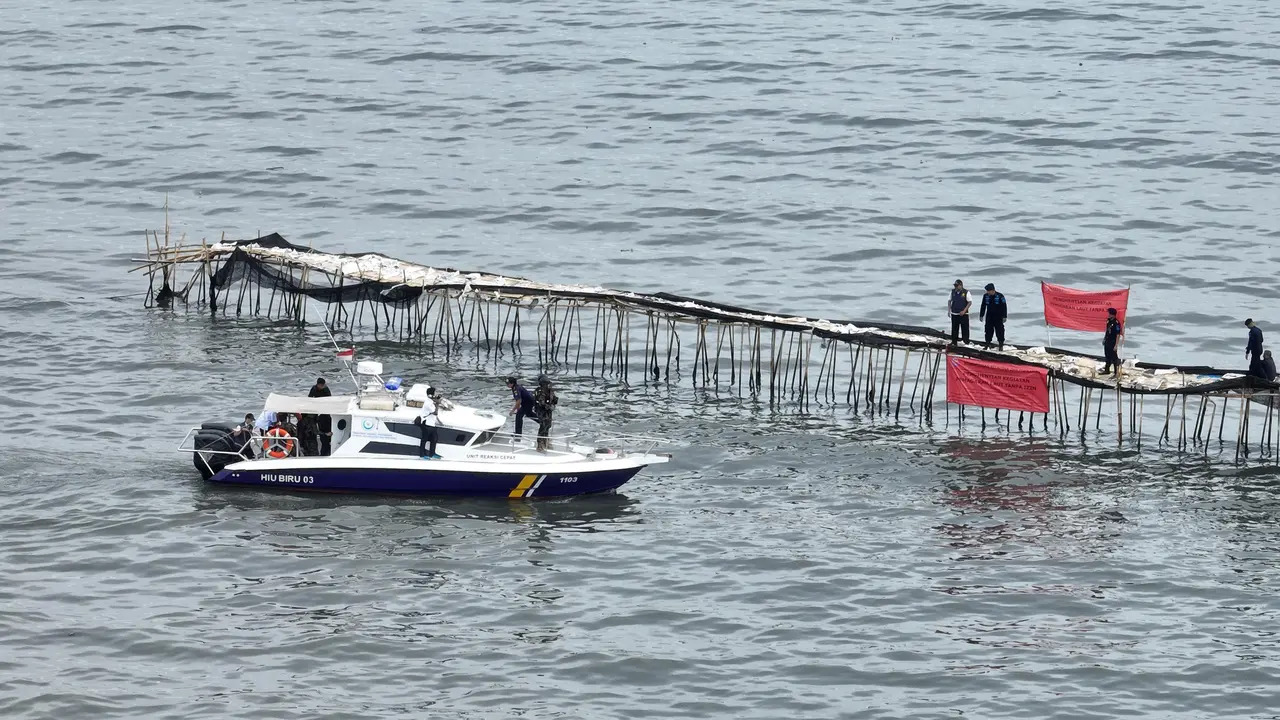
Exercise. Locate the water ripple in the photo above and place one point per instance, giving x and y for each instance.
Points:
(830, 160)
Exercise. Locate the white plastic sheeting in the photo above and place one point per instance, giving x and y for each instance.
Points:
(384, 269)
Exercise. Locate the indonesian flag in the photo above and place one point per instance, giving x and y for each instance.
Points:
(347, 354)
(986, 383)
(1073, 309)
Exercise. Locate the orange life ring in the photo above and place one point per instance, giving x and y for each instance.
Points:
(277, 444)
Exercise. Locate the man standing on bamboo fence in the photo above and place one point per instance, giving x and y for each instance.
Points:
(1254, 349)
(993, 314)
(1110, 340)
(958, 307)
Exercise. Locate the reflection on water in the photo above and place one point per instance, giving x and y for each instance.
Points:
(569, 513)
(1013, 508)
(789, 562)
(332, 524)
(1009, 499)
(398, 569)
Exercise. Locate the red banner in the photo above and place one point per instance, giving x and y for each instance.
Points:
(1073, 309)
(986, 383)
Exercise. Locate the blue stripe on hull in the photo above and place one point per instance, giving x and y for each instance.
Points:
(427, 482)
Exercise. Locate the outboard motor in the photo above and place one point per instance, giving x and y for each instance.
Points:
(217, 437)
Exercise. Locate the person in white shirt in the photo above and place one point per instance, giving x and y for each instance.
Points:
(427, 422)
(264, 423)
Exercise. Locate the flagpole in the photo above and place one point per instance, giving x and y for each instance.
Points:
(1045, 307)
(345, 362)
(1124, 332)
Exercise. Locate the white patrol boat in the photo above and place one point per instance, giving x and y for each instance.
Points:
(375, 448)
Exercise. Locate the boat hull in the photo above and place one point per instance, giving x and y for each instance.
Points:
(425, 477)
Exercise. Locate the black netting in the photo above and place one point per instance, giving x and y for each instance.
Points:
(241, 266)
(275, 241)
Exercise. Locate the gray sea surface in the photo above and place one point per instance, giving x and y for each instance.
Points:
(843, 160)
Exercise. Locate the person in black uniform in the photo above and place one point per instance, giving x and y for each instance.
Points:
(286, 422)
(324, 423)
(1268, 366)
(1110, 339)
(307, 433)
(1254, 349)
(993, 312)
(242, 434)
(545, 399)
(958, 308)
(523, 406)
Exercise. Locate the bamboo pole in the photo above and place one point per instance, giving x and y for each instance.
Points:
(808, 354)
(1142, 406)
(853, 375)
(902, 382)
(915, 387)
(151, 273)
(1119, 411)
(1244, 402)
(773, 364)
(715, 370)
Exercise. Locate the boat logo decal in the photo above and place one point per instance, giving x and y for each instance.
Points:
(368, 423)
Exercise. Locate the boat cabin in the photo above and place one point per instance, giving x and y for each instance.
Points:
(380, 419)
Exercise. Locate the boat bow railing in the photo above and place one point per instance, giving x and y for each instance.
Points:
(187, 445)
(628, 444)
(555, 444)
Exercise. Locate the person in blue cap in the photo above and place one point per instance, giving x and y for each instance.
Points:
(993, 313)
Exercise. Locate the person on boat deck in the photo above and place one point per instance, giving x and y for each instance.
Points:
(266, 422)
(324, 423)
(291, 427)
(427, 421)
(241, 434)
(545, 400)
(958, 309)
(324, 431)
(993, 312)
(1110, 339)
(442, 403)
(1254, 349)
(245, 427)
(1268, 366)
(307, 434)
(524, 404)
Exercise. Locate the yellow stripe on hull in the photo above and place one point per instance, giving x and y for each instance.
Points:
(526, 482)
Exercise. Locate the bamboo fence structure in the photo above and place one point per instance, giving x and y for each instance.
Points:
(876, 370)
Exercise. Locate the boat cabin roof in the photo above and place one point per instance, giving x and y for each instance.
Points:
(457, 416)
(335, 405)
